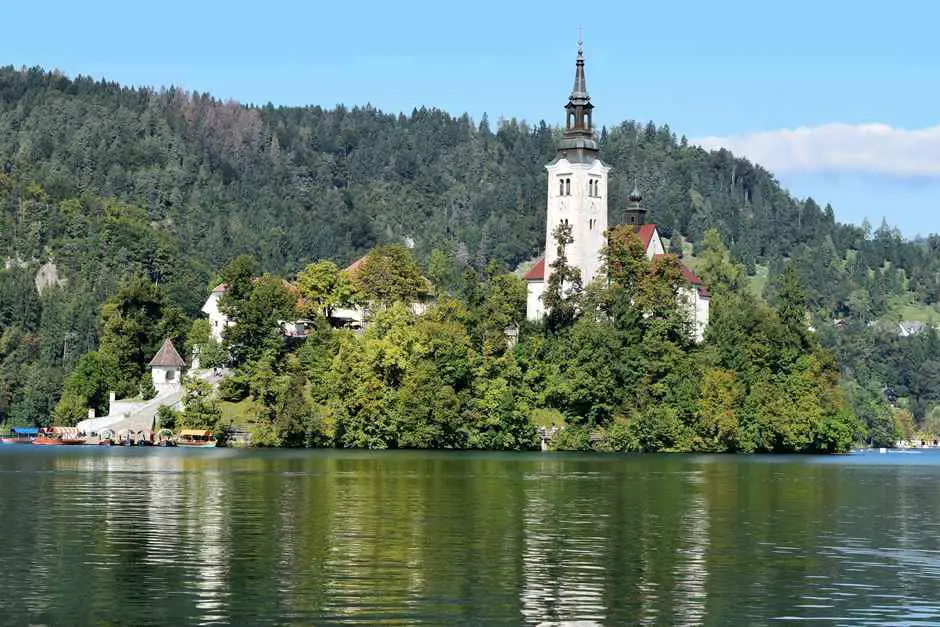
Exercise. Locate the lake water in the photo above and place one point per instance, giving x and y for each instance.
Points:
(176, 537)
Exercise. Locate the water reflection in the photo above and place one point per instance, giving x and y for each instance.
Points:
(563, 553)
(222, 537)
(691, 569)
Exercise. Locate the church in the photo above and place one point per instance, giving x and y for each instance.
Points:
(577, 195)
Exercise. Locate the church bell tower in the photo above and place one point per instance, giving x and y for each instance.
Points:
(577, 185)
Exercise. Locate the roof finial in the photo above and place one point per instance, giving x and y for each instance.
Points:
(580, 41)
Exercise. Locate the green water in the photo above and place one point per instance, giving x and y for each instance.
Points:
(171, 537)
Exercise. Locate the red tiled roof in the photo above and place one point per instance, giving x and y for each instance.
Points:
(537, 271)
(690, 277)
(645, 233)
(354, 266)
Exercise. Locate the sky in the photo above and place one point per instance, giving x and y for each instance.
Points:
(838, 99)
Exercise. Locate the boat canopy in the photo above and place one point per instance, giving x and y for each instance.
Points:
(202, 433)
(66, 431)
(25, 430)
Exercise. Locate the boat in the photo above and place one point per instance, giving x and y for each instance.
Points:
(196, 438)
(106, 438)
(58, 436)
(20, 435)
(165, 438)
(144, 438)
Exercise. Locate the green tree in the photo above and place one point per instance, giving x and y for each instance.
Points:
(562, 296)
(390, 275)
(323, 287)
(132, 329)
(256, 317)
(200, 408)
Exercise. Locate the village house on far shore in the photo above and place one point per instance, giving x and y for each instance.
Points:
(352, 316)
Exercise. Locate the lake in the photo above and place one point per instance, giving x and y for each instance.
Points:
(175, 537)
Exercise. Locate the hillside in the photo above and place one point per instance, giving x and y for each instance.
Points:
(105, 180)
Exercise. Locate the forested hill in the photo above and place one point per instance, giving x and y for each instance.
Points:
(105, 180)
(294, 184)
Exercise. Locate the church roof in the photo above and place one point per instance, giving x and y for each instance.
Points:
(691, 278)
(645, 233)
(354, 266)
(167, 356)
(537, 271)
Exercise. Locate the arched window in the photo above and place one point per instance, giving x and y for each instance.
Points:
(567, 187)
(170, 375)
(561, 187)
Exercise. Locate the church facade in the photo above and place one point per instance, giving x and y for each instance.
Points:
(577, 196)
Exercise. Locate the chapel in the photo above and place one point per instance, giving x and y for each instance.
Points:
(577, 196)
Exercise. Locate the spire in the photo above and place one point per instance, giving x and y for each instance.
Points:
(635, 214)
(579, 91)
(579, 134)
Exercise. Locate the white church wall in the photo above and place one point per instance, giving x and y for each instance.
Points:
(696, 311)
(535, 309)
(656, 245)
(702, 305)
(570, 198)
(217, 320)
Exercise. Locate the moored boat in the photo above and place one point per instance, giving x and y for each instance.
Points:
(165, 438)
(196, 438)
(58, 436)
(106, 438)
(20, 435)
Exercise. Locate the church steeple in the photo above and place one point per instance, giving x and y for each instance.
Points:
(635, 215)
(579, 134)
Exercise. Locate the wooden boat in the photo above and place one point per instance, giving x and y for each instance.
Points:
(58, 436)
(20, 435)
(196, 438)
(165, 438)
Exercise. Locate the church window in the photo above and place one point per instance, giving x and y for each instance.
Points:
(561, 187)
(567, 187)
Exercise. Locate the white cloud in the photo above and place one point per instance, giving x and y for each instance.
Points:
(857, 148)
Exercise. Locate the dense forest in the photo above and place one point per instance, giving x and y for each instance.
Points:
(100, 183)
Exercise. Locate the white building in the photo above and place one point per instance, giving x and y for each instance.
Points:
(577, 195)
(217, 320)
(166, 369)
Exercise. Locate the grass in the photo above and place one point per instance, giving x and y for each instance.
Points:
(758, 282)
(241, 414)
(547, 418)
(917, 312)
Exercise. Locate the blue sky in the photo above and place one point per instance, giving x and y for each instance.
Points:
(731, 73)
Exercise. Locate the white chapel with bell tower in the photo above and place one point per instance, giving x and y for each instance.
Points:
(577, 195)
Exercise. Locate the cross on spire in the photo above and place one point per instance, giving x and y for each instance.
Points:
(580, 38)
